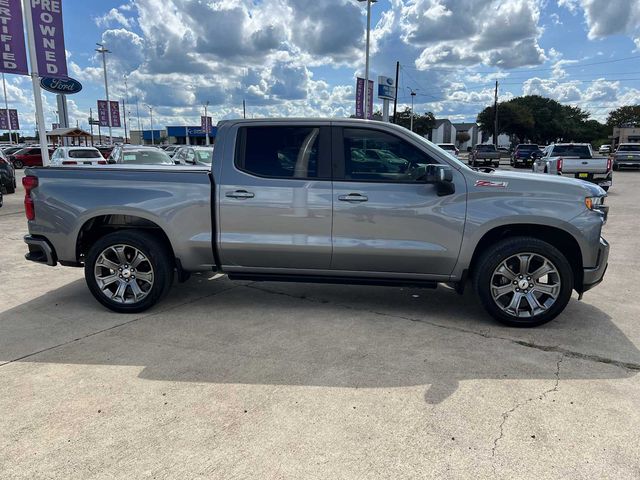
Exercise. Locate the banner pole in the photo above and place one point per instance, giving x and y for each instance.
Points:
(6, 106)
(37, 94)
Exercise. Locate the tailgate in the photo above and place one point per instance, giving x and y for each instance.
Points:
(584, 165)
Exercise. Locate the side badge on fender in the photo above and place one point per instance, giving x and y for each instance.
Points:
(489, 183)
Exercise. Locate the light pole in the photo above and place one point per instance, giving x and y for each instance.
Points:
(138, 115)
(206, 122)
(104, 52)
(153, 142)
(124, 108)
(366, 73)
(413, 96)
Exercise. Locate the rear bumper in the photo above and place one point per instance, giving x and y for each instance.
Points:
(40, 251)
(593, 276)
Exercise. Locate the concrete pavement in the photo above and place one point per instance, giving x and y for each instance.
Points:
(256, 380)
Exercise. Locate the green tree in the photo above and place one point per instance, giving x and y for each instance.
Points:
(422, 124)
(513, 119)
(462, 137)
(624, 115)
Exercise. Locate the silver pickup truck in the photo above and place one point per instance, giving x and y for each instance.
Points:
(303, 200)
(627, 155)
(575, 160)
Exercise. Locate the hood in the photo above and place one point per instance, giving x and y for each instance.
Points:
(538, 182)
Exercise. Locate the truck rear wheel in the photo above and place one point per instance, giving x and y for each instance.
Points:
(523, 281)
(129, 271)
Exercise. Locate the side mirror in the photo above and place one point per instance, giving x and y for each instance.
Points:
(442, 177)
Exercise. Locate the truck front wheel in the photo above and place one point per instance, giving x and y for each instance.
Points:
(129, 271)
(523, 281)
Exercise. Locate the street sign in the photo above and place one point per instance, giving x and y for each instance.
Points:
(48, 35)
(386, 88)
(12, 46)
(64, 86)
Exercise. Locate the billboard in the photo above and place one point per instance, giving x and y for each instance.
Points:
(13, 119)
(386, 88)
(13, 58)
(360, 98)
(48, 35)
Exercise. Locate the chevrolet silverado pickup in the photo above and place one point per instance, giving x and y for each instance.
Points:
(575, 160)
(308, 200)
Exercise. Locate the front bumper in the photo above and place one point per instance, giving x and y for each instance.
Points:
(40, 251)
(593, 276)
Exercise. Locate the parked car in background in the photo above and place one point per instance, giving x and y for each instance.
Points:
(525, 154)
(604, 149)
(77, 156)
(7, 175)
(10, 150)
(627, 155)
(194, 156)
(139, 155)
(576, 160)
(505, 152)
(484, 154)
(28, 157)
(171, 149)
(282, 203)
(450, 147)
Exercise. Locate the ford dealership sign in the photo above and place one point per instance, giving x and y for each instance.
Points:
(63, 86)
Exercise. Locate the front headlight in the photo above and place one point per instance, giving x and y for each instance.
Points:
(597, 205)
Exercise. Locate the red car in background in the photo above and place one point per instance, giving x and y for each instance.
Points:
(105, 151)
(28, 157)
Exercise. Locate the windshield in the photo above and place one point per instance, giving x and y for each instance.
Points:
(580, 151)
(629, 148)
(87, 153)
(205, 156)
(146, 157)
(447, 146)
(486, 148)
(528, 147)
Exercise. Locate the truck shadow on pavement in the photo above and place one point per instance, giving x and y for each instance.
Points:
(315, 335)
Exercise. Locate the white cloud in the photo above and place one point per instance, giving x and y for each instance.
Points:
(607, 17)
(114, 16)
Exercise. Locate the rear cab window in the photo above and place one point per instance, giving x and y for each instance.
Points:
(88, 153)
(284, 152)
(580, 151)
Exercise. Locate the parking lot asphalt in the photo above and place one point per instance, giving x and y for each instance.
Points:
(262, 380)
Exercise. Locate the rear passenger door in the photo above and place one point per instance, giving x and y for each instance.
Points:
(275, 198)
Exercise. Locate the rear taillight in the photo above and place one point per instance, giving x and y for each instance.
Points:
(102, 162)
(69, 162)
(559, 165)
(29, 183)
(609, 164)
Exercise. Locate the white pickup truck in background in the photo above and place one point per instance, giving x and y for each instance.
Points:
(575, 160)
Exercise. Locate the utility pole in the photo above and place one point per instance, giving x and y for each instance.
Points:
(153, 141)
(124, 107)
(395, 101)
(206, 122)
(413, 96)
(6, 106)
(138, 115)
(104, 52)
(495, 118)
(244, 109)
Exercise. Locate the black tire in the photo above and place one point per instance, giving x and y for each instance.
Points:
(18, 165)
(615, 166)
(158, 255)
(505, 249)
(11, 186)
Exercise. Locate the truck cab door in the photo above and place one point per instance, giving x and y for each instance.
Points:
(386, 218)
(275, 198)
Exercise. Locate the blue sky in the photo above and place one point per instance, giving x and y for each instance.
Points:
(300, 58)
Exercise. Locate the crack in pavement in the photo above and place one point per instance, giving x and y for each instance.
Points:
(506, 415)
(635, 367)
(113, 327)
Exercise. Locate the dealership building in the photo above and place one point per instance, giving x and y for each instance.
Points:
(174, 135)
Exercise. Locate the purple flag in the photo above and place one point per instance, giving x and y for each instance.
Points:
(205, 124)
(48, 34)
(360, 99)
(103, 113)
(13, 119)
(13, 54)
(115, 114)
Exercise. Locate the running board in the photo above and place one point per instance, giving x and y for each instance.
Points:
(381, 282)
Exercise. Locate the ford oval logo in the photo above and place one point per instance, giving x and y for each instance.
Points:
(389, 81)
(64, 86)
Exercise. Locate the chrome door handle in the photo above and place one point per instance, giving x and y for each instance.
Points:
(240, 195)
(353, 197)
